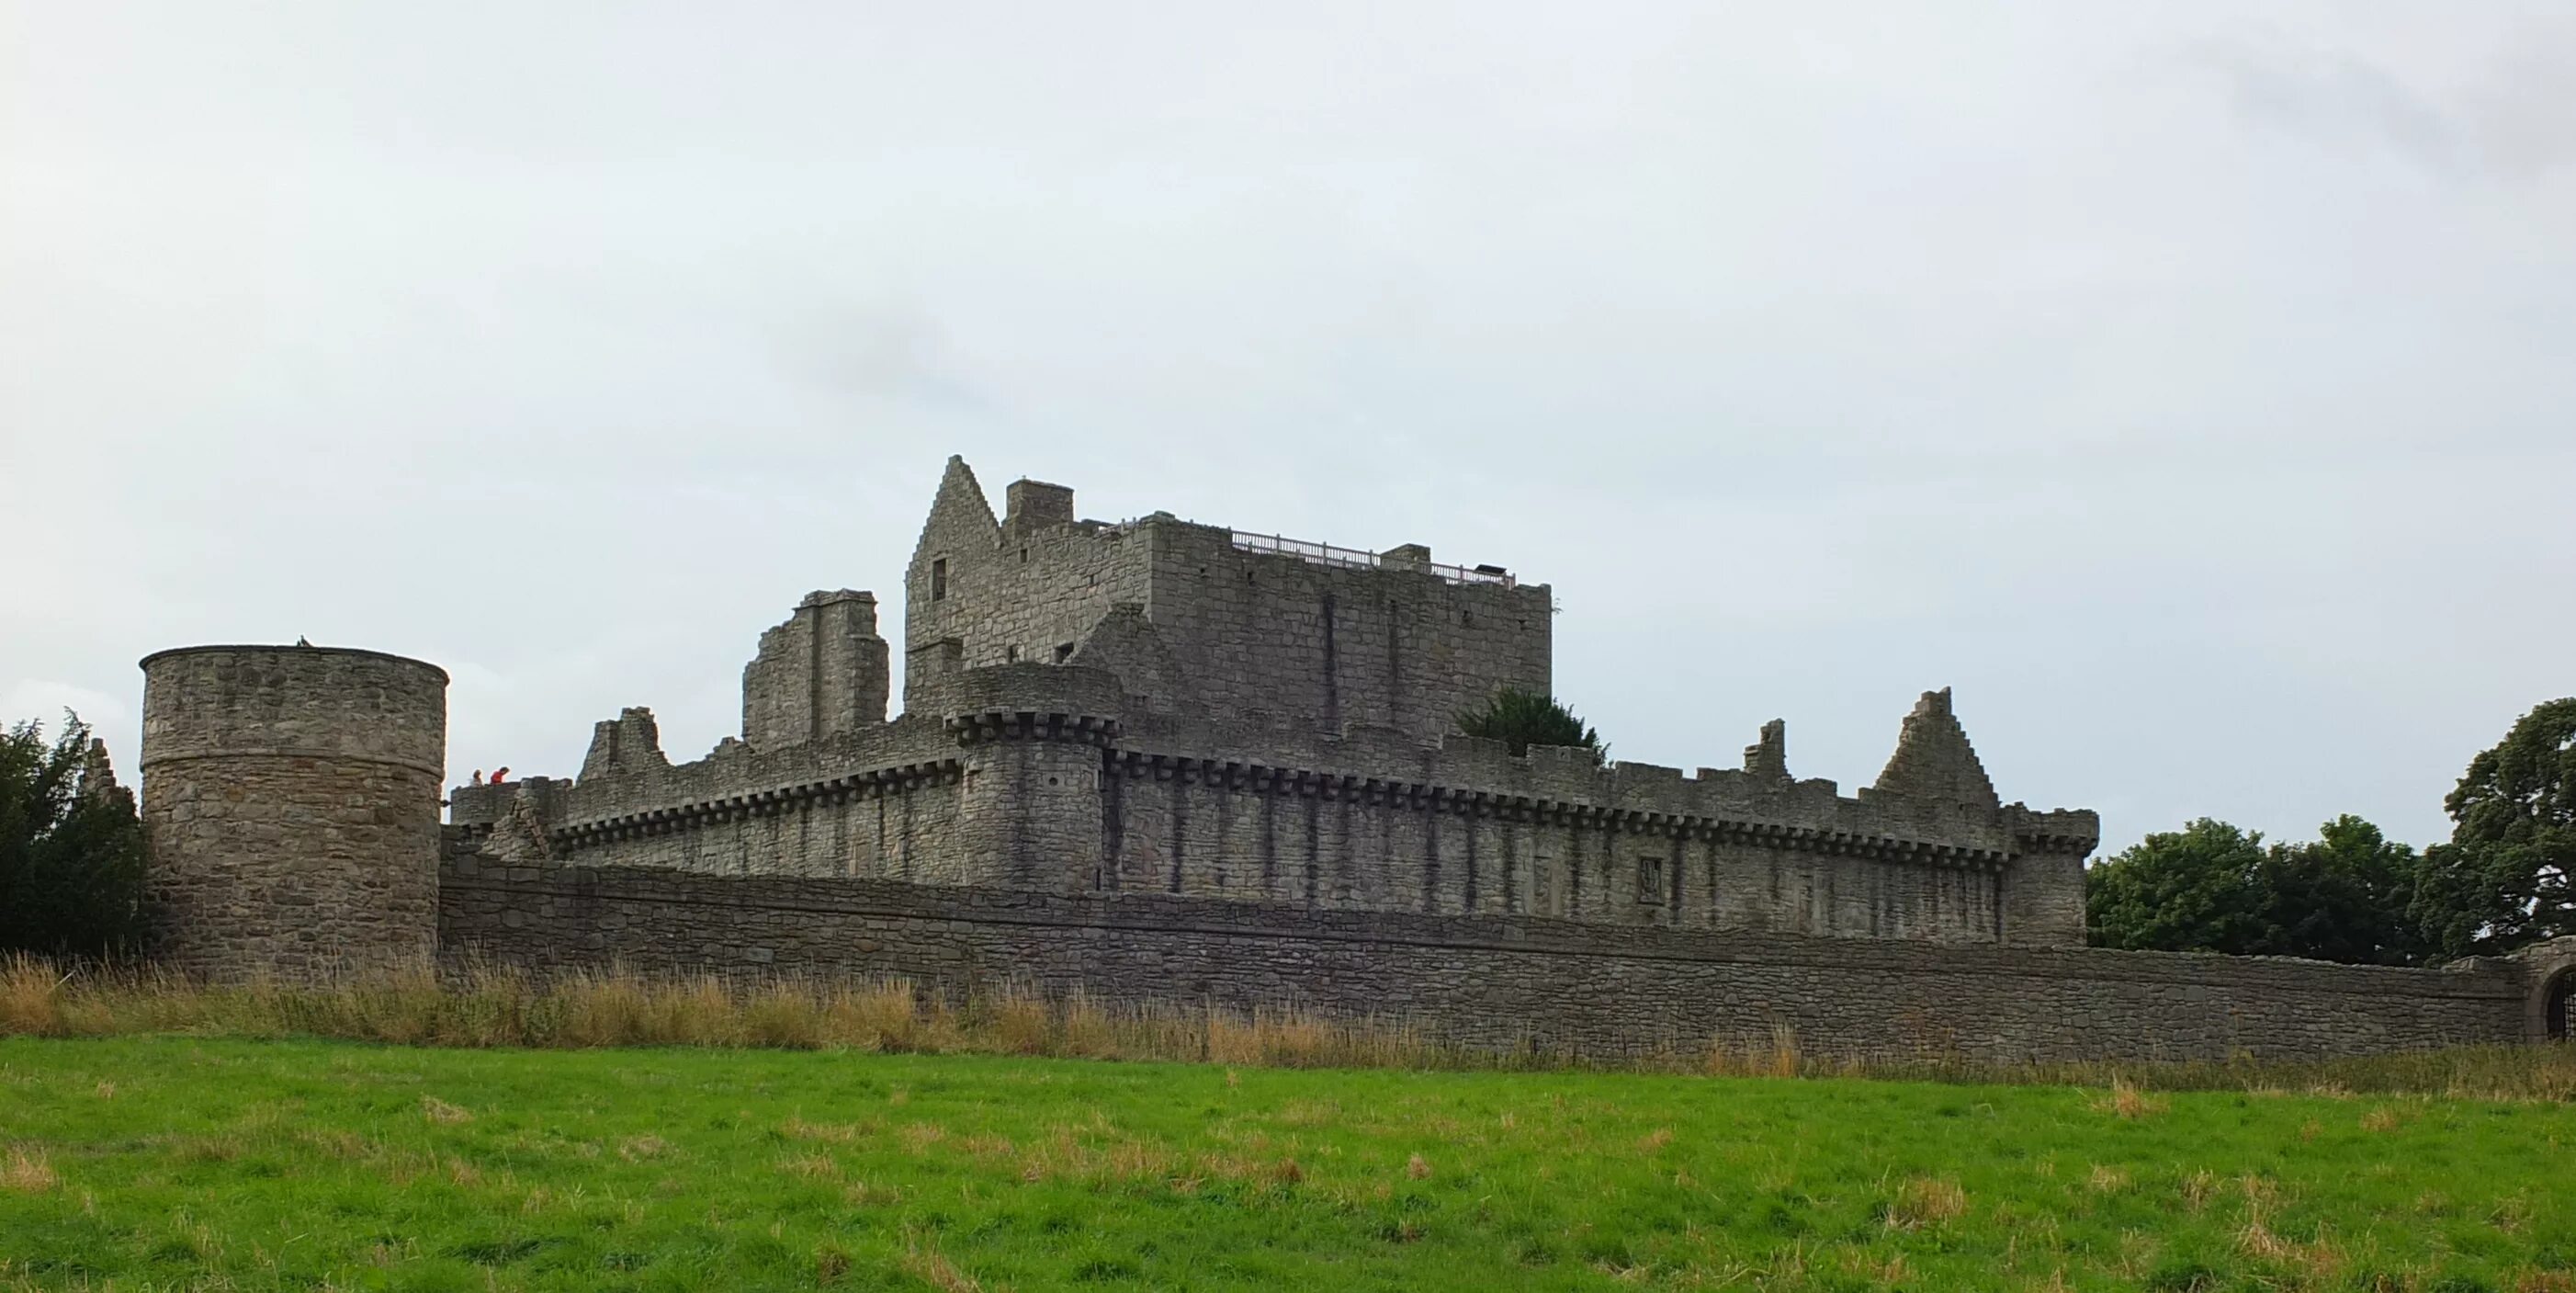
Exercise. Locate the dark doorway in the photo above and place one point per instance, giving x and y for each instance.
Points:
(2559, 1003)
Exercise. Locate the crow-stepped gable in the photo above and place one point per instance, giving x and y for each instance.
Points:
(1165, 707)
(1159, 761)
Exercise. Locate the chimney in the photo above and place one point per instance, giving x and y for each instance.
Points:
(1034, 505)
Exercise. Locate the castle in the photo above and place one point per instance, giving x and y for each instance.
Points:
(1164, 762)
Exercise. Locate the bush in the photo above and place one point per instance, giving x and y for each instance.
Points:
(1520, 719)
(71, 847)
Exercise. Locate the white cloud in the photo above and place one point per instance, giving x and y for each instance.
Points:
(2188, 392)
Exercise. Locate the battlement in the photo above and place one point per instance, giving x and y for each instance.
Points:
(1196, 709)
(1215, 616)
(1133, 797)
(1182, 764)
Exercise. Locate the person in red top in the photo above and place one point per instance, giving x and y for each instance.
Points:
(500, 775)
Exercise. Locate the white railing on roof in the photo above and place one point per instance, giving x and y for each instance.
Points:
(1325, 554)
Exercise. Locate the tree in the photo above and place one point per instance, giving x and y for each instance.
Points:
(2193, 890)
(1520, 719)
(2214, 887)
(2345, 896)
(71, 847)
(2503, 880)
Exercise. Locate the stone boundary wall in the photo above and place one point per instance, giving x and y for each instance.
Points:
(1478, 980)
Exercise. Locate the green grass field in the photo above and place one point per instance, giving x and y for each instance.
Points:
(170, 1162)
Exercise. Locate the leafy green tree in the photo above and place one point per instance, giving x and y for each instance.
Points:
(2198, 889)
(2214, 887)
(2503, 880)
(2345, 896)
(1521, 719)
(71, 847)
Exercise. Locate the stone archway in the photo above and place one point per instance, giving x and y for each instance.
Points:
(2550, 1009)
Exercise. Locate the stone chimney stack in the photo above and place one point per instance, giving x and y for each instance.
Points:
(1033, 505)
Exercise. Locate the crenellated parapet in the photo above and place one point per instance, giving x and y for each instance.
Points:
(644, 780)
(1043, 776)
(1680, 817)
(1032, 701)
(773, 801)
(1189, 708)
(2064, 830)
(1032, 725)
(631, 791)
(1548, 779)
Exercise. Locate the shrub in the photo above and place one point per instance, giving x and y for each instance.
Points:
(71, 847)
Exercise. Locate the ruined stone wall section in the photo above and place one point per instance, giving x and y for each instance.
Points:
(892, 824)
(1335, 647)
(1491, 981)
(1053, 788)
(1934, 762)
(644, 783)
(1325, 646)
(980, 593)
(823, 673)
(290, 808)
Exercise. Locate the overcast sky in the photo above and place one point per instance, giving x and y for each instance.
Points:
(2191, 385)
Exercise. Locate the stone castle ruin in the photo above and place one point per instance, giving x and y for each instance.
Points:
(1158, 762)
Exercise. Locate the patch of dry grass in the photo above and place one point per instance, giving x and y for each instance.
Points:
(1927, 1201)
(27, 1172)
(923, 1261)
(2125, 1100)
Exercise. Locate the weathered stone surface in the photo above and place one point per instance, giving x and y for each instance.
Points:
(1276, 728)
(1484, 980)
(1159, 761)
(1323, 643)
(822, 673)
(290, 806)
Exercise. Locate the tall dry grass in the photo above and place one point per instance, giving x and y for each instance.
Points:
(483, 1006)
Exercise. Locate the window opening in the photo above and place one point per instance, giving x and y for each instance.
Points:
(1650, 880)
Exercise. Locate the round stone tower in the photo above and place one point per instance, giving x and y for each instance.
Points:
(290, 806)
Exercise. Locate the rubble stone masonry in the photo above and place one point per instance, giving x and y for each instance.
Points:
(290, 805)
(1163, 762)
(1488, 981)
